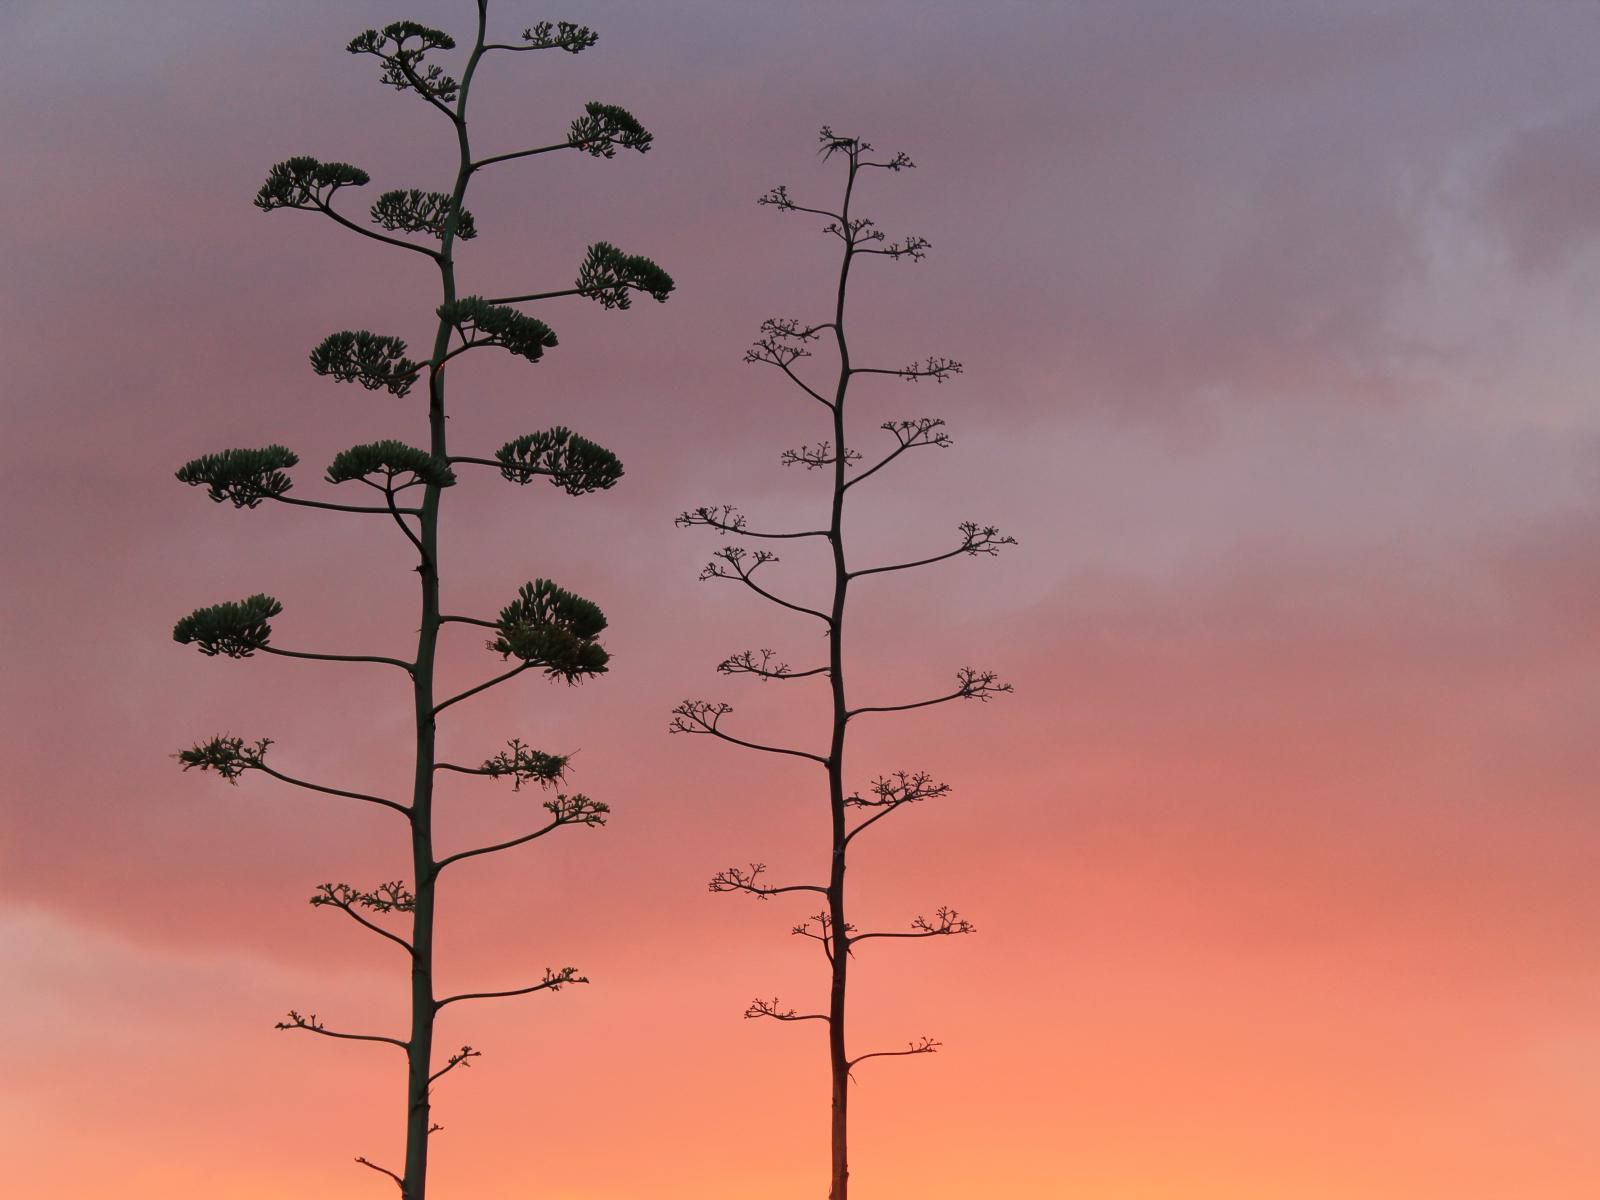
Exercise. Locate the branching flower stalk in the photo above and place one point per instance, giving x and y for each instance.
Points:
(783, 345)
(543, 629)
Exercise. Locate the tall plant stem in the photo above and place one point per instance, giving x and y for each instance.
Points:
(838, 1057)
(424, 1006)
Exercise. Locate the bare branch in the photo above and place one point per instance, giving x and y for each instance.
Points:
(355, 508)
(921, 431)
(471, 620)
(901, 161)
(553, 981)
(781, 344)
(311, 1025)
(888, 793)
(857, 233)
(461, 1058)
(787, 329)
(821, 455)
(230, 758)
(735, 568)
(759, 355)
(825, 933)
(408, 668)
(746, 663)
(937, 369)
(385, 898)
(332, 791)
(913, 247)
(398, 1182)
(728, 519)
(970, 685)
(327, 210)
(775, 352)
(576, 809)
(773, 1008)
(525, 299)
(399, 519)
(479, 164)
(702, 716)
(947, 922)
(975, 539)
(741, 879)
(925, 1046)
(482, 687)
(902, 787)
(779, 198)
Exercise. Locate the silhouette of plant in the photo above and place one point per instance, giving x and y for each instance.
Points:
(783, 343)
(544, 627)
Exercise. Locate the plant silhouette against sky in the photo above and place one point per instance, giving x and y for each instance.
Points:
(543, 629)
(783, 345)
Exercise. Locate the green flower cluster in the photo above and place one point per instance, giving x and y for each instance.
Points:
(237, 628)
(548, 627)
(390, 458)
(483, 324)
(571, 462)
(247, 477)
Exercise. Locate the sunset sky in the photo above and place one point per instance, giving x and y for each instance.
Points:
(1279, 325)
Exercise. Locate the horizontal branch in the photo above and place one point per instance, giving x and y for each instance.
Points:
(484, 162)
(975, 540)
(780, 199)
(553, 981)
(258, 765)
(311, 1025)
(531, 296)
(771, 1008)
(740, 879)
(814, 458)
(746, 663)
(938, 369)
(947, 922)
(925, 1046)
(970, 685)
(408, 668)
(457, 767)
(331, 507)
(727, 519)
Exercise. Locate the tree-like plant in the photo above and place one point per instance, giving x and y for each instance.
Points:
(783, 343)
(543, 629)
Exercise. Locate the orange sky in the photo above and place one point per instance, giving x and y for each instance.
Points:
(1278, 332)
